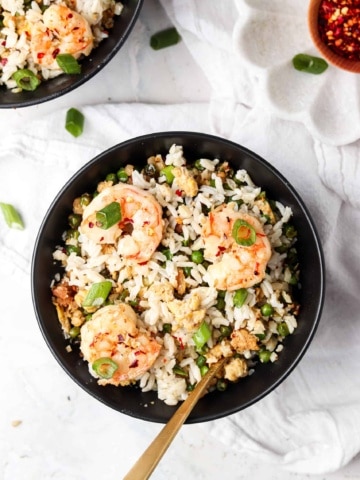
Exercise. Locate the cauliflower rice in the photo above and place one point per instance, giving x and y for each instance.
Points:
(172, 294)
(20, 21)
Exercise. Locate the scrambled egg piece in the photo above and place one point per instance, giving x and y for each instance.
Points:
(185, 181)
(187, 312)
(236, 368)
(242, 340)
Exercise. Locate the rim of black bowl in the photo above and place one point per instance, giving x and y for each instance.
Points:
(130, 400)
(90, 66)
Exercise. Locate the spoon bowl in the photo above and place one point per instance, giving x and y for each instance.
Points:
(327, 53)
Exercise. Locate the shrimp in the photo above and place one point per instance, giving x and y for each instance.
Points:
(112, 335)
(140, 230)
(234, 266)
(62, 30)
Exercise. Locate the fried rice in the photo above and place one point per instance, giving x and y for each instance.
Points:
(28, 37)
(173, 294)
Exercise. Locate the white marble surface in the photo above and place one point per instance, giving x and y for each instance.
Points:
(49, 428)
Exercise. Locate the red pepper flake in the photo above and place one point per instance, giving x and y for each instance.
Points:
(91, 225)
(4, 61)
(178, 193)
(180, 342)
(339, 27)
(121, 338)
(101, 239)
(256, 271)
(56, 52)
(70, 15)
(40, 55)
(220, 251)
(134, 364)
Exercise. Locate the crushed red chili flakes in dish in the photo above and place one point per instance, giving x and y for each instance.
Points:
(339, 27)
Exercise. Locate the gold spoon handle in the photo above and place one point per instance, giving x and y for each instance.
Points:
(146, 464)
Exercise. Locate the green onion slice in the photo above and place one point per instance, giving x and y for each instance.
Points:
(165, 38)
(97, 294)
(12, 216)
(239, 297)
(74, 122)
(243, 233)
(68, 63)
(167, 172)
(309, 64)
(202, 335)
(105, 367)
(108, 216)
(26, 79)
(180, 371)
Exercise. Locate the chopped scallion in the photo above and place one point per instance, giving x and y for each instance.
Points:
(309, 64)
(97, 294)
(202, 335)
(26, 79)
(243, 233)
(12, 216)
(165, 38)
(74, 123)
(239, 297)
(109, 215)
(167, 172)
(68, 63)
(105, 367)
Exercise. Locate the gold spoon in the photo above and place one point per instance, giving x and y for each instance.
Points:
(146, 464)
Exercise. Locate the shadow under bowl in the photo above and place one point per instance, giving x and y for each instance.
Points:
(131, 400)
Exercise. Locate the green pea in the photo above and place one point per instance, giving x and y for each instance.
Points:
(124, 294)
(122, 175)
(150, 170)
(201, 361)
(264, 356)
(198, 165)
(111, 177)
(197, 257)
(74, 332)
(221, 385)
(225, 330)
(73, 249)
(283, 329)
(203, 370)
(289, 231)
(267, 310)
(74, 220)
(167, 254)
(187, 271)
(72, 234)
(220, 304)
(260, 336)
(167, 328)
(85, 199)
(239, 297)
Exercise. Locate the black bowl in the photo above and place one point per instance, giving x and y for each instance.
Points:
(99, 57)
(131, 400)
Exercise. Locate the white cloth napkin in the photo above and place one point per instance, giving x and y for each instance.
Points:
(310, 423)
